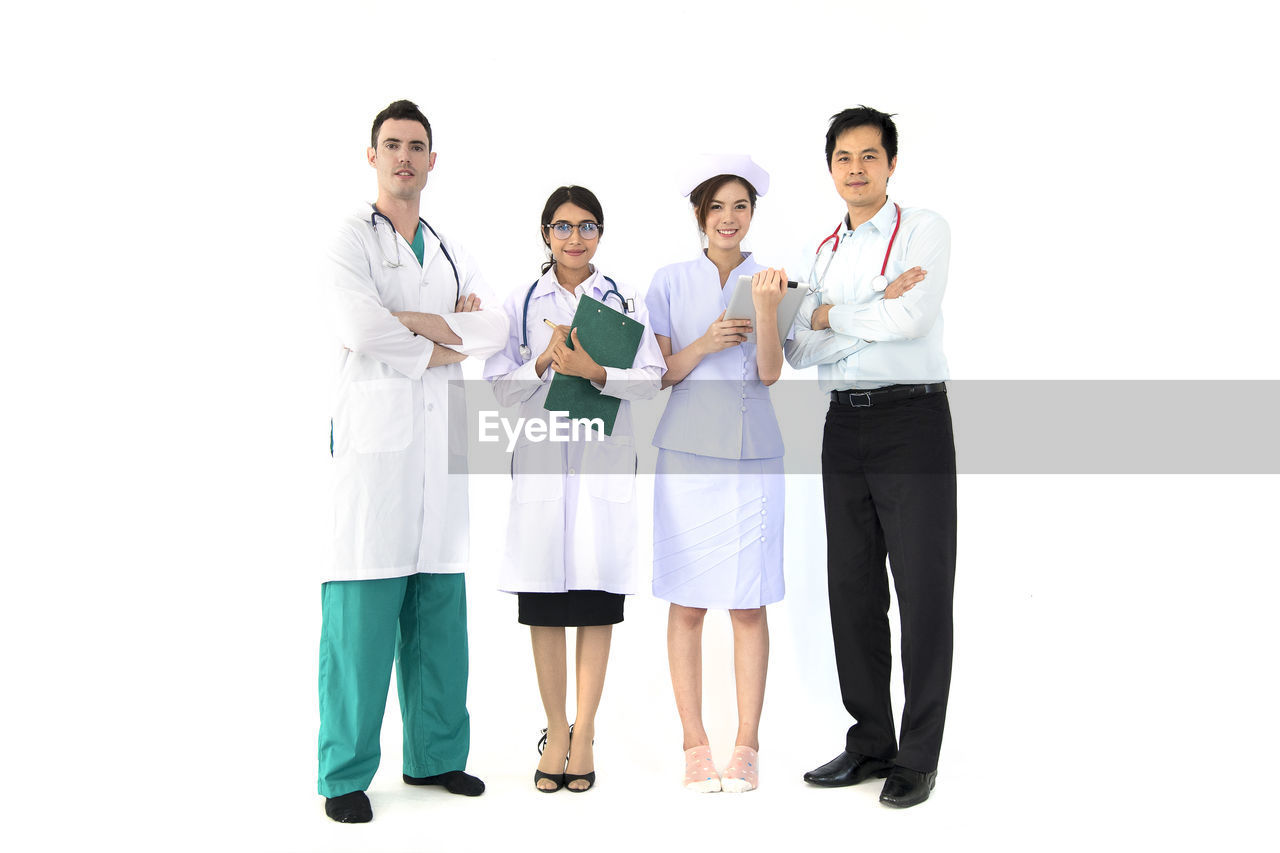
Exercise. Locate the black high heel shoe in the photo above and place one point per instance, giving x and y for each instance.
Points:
(590, 777)
(557, 778)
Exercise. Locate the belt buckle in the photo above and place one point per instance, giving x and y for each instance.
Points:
(866, 395)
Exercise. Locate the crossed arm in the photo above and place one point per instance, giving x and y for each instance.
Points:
(435, 329)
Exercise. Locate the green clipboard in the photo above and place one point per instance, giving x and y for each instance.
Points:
(612, 339)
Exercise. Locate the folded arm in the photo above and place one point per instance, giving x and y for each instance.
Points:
(913, 313)
(817, 346)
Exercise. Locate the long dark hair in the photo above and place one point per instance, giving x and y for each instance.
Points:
(580, 196)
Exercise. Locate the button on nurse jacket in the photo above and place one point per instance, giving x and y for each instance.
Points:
(398, 426)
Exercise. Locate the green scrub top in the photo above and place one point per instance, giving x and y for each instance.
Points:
(419, 247)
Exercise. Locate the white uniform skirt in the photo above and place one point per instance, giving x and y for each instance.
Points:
(717, 531)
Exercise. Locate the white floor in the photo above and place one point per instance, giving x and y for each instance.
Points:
(1110, 637)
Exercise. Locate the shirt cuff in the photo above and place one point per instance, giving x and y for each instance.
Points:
(528, 372)
(611, 374)
(420, 366)
(843, 320)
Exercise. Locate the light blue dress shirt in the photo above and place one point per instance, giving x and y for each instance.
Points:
(875, 341)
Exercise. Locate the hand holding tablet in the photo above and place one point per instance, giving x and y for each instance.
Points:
(742, 306)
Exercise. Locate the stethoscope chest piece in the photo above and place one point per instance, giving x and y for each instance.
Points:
(879, 283)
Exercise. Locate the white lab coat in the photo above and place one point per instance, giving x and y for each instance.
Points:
(572, 523)
(399, 428)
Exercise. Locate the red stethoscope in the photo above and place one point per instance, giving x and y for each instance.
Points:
(879, 283)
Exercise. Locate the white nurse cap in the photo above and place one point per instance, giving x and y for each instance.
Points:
(708, 166)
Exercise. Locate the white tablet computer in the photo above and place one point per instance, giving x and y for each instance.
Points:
(741, 307)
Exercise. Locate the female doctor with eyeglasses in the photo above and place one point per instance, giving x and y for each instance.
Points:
(570, 553)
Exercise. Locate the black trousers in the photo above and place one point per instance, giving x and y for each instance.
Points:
(889, 489)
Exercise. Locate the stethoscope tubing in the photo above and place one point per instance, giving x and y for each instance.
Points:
(373, 223)
(835, 236)
(525, 352)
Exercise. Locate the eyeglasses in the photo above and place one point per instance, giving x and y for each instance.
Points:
(586, 230)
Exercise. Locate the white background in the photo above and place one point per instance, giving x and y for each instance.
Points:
(172, 173)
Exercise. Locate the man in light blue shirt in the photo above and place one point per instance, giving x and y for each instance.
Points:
(888, 459)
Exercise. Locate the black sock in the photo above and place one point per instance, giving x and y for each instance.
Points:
(455, 782)
(349, 808)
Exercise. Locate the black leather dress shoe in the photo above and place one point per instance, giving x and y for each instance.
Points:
(848, 768)
(349, 808)
(906, 788)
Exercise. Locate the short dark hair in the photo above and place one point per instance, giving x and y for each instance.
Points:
(580, 196)
(399, 110)
(863, 116)
(704, 193)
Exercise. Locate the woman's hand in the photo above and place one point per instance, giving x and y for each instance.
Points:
(576, 361)
(904, 282)
(558, 336)
(767, 289)
(723, 334)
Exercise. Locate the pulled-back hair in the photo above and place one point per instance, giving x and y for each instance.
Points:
(580, 196)
(704, 193)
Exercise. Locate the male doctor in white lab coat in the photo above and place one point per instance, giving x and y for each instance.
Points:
(408, 310)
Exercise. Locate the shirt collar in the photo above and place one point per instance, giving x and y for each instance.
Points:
(882, 221)
(709, 264)
(547, 284)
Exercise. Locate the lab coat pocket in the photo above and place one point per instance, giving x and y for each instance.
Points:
(538, 470)
(610, 470)
(380, 416)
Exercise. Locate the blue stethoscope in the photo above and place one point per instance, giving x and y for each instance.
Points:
(628, 307)
(879, 283)
(373, 223)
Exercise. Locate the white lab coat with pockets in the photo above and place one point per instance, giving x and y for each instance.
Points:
(572, 523)
(399, 427)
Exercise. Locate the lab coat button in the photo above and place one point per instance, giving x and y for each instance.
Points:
(571, 472)
(431, 407)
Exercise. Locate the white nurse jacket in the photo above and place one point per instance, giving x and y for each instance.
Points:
(399, 427)
(572, 523)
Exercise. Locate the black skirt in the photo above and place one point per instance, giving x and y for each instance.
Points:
(573, 609)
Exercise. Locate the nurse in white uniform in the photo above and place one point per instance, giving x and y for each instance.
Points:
(718, 496)
(571, 549)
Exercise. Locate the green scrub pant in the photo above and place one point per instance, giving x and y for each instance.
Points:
(421, 622)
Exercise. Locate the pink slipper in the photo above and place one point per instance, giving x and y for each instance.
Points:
(743, 772)
(700, 771)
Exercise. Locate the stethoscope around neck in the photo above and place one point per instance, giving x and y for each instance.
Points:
(628, 307)
(880, 282)
(388, 264)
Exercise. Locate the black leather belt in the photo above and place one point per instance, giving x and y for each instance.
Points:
(887, 394)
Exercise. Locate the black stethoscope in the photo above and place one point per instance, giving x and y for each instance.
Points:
(373, 223)
(628, 307)
(878, 283)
